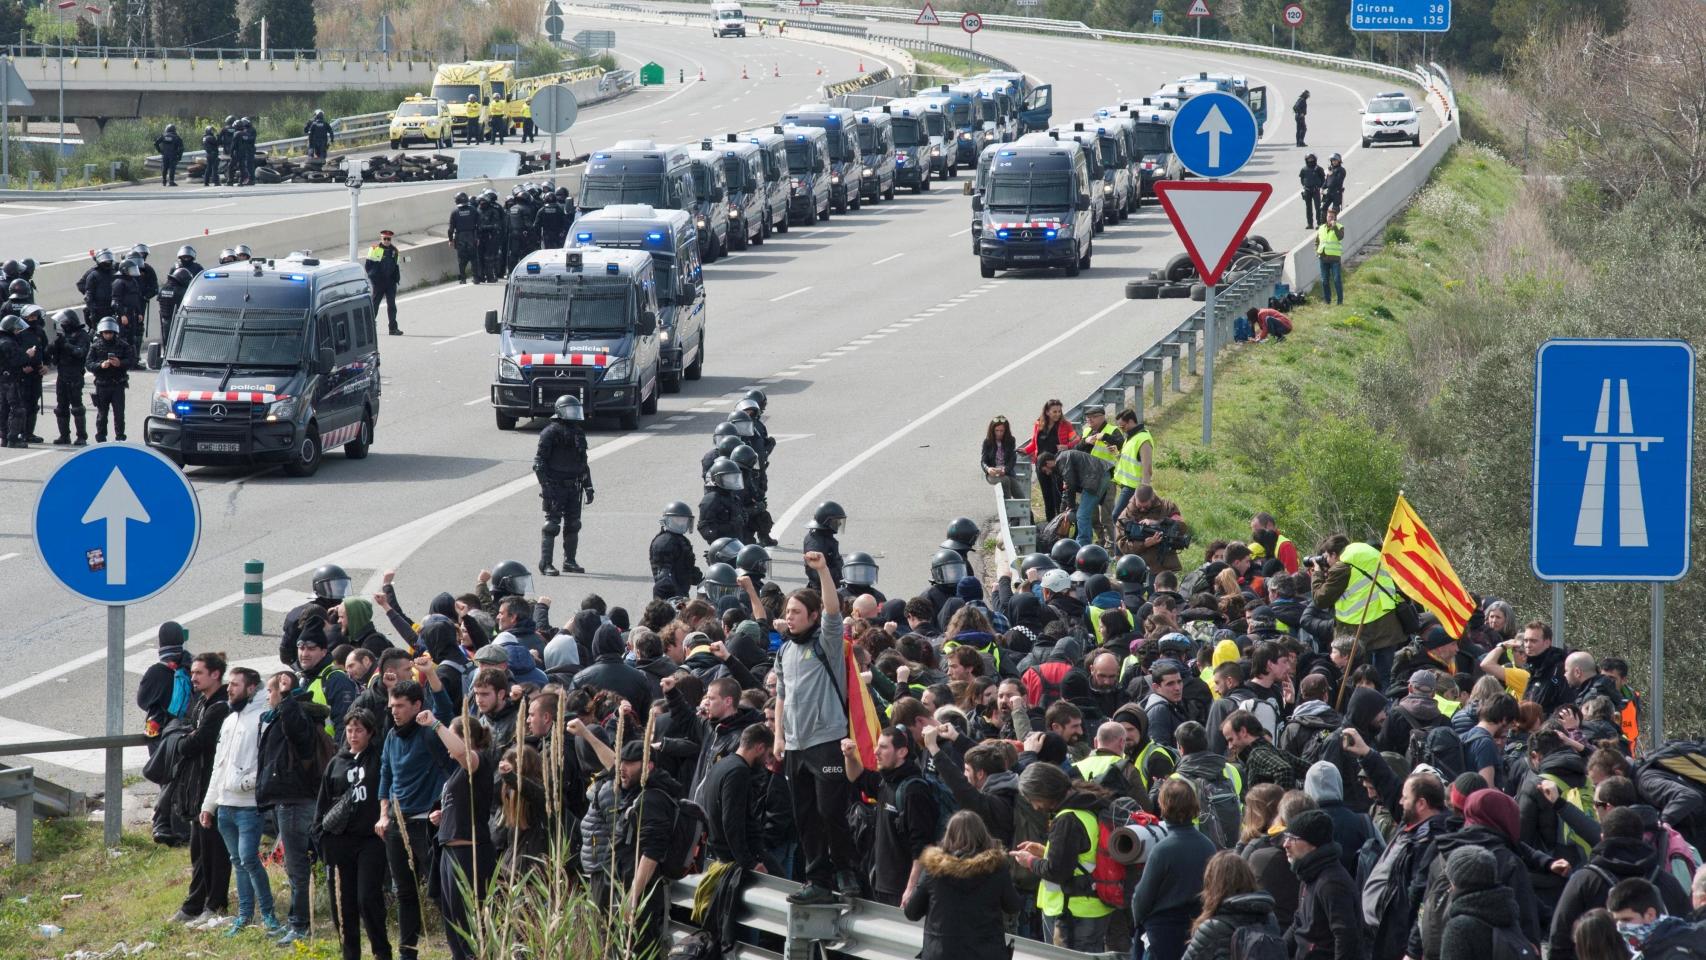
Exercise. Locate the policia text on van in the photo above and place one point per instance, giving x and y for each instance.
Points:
(273, 361)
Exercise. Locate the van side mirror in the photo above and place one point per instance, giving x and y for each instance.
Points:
(491, 321)
(1084, 201)
(154, 355)
(648, 320)
(965, 188)
(323, 362)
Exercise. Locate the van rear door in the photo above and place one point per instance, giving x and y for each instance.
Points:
(1039, 107)
(1258, 101)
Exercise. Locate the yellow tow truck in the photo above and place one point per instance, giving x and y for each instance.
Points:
(421, 119)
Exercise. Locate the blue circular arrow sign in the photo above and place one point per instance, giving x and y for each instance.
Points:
(1214, 134)
(116, 524)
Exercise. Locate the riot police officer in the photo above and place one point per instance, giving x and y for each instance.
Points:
(1131, 573)
(754, 564)
(331, 585)
(110, 360)
(171, 298)
(1064, 553)
(491, 234)
(228, 146)
(828, 520)
(962, 537)
(720, 583)
(319, 134)
(18, 296)
(723, 550)
(96, 286)
(35, 341)
(757, 507)
(227, 255)
(127, 304)
(186, 259)
(560, 464)
(211, 143)
(673, 569)
(67, 353)
(244, 143)
(551, 222)
(242, 252)
(723, 443)
(171, 149)
(11, 270)
(15, 363)
(518, 223)
(465, 236)
(720, 511)
(947, 568)
(754, 411)
(150, 279)
(860, 568)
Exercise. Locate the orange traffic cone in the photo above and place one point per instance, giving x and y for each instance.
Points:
(861, 65)
(701, 73)
(743, 71)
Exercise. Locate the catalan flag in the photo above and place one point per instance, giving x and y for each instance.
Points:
(1418, 564)
(862, 723)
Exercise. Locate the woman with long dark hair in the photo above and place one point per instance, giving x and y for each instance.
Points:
(348, 808)
(964, 893)
(466, 859)
(521, 805)
(1230, 901)
(1051, 433)
(999, 457)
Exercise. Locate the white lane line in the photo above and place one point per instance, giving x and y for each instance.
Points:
(217, 206)
(383, 552)
(429, 293)
(702, 410)
(88, 226)
(892, 256)
(791, 293)
(678, 418)
(459, 336)
(659, 426)
(814, 495)
(839, 351)
(959, 234)
(27, 456)
(478, 400)
(765, 380)
(7, 556)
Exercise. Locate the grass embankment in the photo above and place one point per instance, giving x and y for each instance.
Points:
(946, 64)
(1293, 433)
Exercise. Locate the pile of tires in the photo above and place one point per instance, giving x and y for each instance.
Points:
(1178, 279)
(409, 168)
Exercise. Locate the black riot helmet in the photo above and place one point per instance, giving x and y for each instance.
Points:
(208, 130)
(104, 257)
(140, 252)
(677, 518)
(1064, 553)
(568, 408)
(511, 578)
(29, 268)
(754, 561)
(859, 569)
(743, 423)
(68, 320)
(461, 198)
(319, 114)
(186, 252)
(946, 568)
(1041, 562)
(726, 445)
(330, 582)
(759, 397)
(562, 194)
(725, 475)
(11, 269)
(829, 516)
(12, 324)
(33, 314)
(19, 290)
(720, 581)
(962, 535)
(1132, 569)
(750, 406)
(180, 277)
(745, 457)
(171, 128)
(130, 268)
(723, 550)
(724, 429)
(230, 120)
(227, 255)
(105, 326)
(242, 252)
(1092, 559)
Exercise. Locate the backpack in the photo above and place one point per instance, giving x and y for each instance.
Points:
(1195, 582)
(182, 693)
(686, 835)
(1510, 944)
(1582, 798)
(1221, 812)
(1257, 943)
(1108, 876)
(1386, 897)
(698, 945)
(324, 750)
(1316, 749)
(1369, 854)
(940, 795)
(1684, 760)
(1438, 747)
(1051, 680)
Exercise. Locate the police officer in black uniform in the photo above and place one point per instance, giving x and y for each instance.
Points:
(723, 550)
(753, 562)
(150, 279)
(1312, 179)
(560, 464)
(465, 236)
(720, 511)
(753, 406)
(551, 222)
(211, 143)
(30, 271)
(1333, 195)
(962, 537)
(319, 134)
(68, 352)
(110, 360)
(244, 142)
(946, 569)
(127, 304)
(15, 363)
(18, 296)
(171, 149)
(757, 493)
(186, 259)
(34, 338)
(723, 443)
(171, 298)
(860, 569)
(228, 146)
(491, 234)
(96, 286)
(828, 520)
(331, 585)
(518, 220)
(673, 571)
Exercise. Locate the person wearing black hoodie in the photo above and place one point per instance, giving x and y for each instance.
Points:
(1557, 826)
(1328, 925)
(979, 781)
(438, 636)
(907, 813)
(158, 694)
(286, 780)
(1483, 912)
(609, 672)
(711, 729)
(1623, 852)
(1365, 712)
(351, 849)
(1489, 823)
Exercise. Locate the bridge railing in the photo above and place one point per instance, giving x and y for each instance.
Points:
(217, 53)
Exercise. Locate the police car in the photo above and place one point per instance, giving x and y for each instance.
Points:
(1037, 209)
(580, 322)
(1391, 117)
(420, 119)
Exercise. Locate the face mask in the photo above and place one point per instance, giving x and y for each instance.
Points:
(1636, 933)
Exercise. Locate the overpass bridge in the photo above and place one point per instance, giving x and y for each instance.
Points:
(103, 83)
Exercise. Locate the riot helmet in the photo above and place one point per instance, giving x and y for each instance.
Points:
(726, 445)
(68, 320)
(207, 131)
(720, 582)
(829, 516)
(140, 251)
(33, 313)
(186, 252)
(511, 578)
(1092, 559)
(242, 251)
(723, 550)
(568, 408)
(130, 268)
(743, 424)
(962, 535)
(724, 429)
(1065, 553)
(11, 269)
(750, 407)
(759, 397)
(181, 276)
(725, 475)
(227, 255)
(29, 268)
(947, 567)
(1131, 568)
(18, 289)
(230, 120)
(171, 128)
(12, 323)
(677, 518)
(859, 569)
(461, 198)
(104, 256)
(1040, 562)
(106, 326)
(754, 561)
(319, 114)
(330, 581)
(745, 457)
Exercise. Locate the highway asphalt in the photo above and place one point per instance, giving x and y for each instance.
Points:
(883, 352)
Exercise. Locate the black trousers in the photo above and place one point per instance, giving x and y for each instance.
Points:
(818, 787)
(168, 172)
(68, 407)
(358, 877)
(1302, 127)
(491, 259)
(32, 400)
(1311, 208)
(467, 256)
(109, 399)
(210, 171)
(460, 871)
(389, 296)
(210, 872)
(409, 867)
(562, 504)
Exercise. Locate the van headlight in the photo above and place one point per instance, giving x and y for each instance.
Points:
(283, 408)
(508, 369)
(869, 172)
(935, 151)
(664, 337)
(161, 407)
(618, 371)
(1107, 187)
(835, 178)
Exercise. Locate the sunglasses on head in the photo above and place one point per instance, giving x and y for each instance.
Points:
(999, 420)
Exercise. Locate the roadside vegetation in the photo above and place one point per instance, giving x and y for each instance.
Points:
(936, 63)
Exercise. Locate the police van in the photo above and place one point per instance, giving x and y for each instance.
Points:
(1111, 122)
(773, 161)
(1034, 106)
(743, 182)
(670, 238)
(1037, 208)
(1106, 141)
(975, 188)
(637, 171)
(1154, 131)
(583, 323)
(1087, 143)
(710, 206)
(271, 361)
(936, 123)
(875, 134)
(907, 121)
(845, 169)
(808, 173)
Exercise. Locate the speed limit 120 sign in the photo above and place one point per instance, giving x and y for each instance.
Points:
(1294, 14)
(971, 23)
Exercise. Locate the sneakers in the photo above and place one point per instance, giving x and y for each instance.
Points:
(847, 883)
(238, 925)
(273, 927)
(291, 936)
(812, 893)
(183, 916)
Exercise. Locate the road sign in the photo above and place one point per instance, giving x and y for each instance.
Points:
(16, 93)
(1199, 8)
(596, 39)
(554, 28)
(927, 17)
(555, 108)
(1613, 455)
(1212, 218)
(116, 524)
(1157, 17)
(1214, 134)
(1401, 16)
(971, 23)
(1293, 14)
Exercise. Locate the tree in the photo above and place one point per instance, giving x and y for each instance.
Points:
(1517, 20)
(191, 23)
(290, 24)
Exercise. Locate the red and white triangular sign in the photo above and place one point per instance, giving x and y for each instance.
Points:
(927, 17)
(1212, 218)
(1199, 8)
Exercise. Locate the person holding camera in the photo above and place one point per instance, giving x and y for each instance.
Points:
(1152, 528)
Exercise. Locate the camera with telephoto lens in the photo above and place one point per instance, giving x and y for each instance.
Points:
(1174, 536)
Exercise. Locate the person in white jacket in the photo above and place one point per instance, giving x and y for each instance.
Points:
(230, 800)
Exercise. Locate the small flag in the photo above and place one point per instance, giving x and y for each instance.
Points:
(862, 723)
(1421, 570)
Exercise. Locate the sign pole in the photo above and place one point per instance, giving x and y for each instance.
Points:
(5, 127)
(553, 153)
(1558, 613)
(354, 184)
(1208, 345)
(1656, 695)
(113, 814)
(1294, 38)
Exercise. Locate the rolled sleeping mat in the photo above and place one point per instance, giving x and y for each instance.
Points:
(1130, 844)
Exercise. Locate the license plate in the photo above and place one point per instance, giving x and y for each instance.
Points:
(218, 446)
(1027, 256)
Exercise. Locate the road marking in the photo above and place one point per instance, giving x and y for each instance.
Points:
(838, 351)
(765, 380)
(89, 226)
(678, 418)
(430, 293)
(7, 556)
(959, 234)
(217, 206)
(478, 400)
(814, 495)
(460, 336)
(790, 293)
(892, 256)
(27, 456)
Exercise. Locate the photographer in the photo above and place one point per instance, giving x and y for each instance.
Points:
(1152, 528)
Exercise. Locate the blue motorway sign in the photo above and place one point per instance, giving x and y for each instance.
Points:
(1156, 17)
(1401, 16)
(1214, 134)
(1613, 457)
(116, 523)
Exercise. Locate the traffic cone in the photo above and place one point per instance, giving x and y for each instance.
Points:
(861, 64)
(743, 71)
(701, 74)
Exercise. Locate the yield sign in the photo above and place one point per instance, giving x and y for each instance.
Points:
(1212, 218)
(1199, 8)
(927, 16)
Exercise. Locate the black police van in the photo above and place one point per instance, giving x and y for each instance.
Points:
(1037, 207)
(271, 361)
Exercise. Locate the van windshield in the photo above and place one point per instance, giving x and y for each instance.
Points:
(937, 124)
(702, 181)
(544, 308)
(262, 338)
(1152, 138)
(1110, 153)
(734, 171)
(1019, 191)
(838, 143)
(454, 92)
(906, 132)
(870, 141)
(801, 157)
(959, 113)
(989, 111)
(597, 191)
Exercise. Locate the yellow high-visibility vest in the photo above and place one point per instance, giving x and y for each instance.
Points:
(1365, 600)
(1329, 241)
(1129, 471)
(1053, 901)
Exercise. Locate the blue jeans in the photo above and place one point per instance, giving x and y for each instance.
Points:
(1332, 278)
(1076, 933)
(1088, 501)
(1167, 939)
(295, 820)
(240, 827)
(1119, 506)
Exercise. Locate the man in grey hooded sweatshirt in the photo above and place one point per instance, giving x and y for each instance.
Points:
(1350, 828)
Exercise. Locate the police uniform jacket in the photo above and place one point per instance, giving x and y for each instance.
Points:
(171, 147)
(68, 353)
(721, 515)
(672, 563)
(823, 541)
(100, 349)
(96, 286)
(464, 225)
(560, 460)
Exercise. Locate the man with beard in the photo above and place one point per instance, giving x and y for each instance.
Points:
(1405, 859)
(907, 814)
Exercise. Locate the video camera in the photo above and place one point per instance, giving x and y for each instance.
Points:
(1174, 536)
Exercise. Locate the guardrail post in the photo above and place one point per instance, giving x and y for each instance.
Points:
(252, 570)
(18, 790)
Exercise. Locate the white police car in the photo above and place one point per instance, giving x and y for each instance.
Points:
(1391, 116)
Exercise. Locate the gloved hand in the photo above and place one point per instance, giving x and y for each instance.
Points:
(589, 496)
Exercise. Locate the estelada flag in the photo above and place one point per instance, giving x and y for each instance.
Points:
(862, 723)
(1416, 562)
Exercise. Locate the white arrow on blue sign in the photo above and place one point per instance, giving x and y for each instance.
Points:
(116, 524)
(1214, 134)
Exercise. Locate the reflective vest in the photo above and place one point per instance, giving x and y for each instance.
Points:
(1329, 241)
(1092, 767)
(317, 693)
(376, 252)
(1582, 798)
(1141, 764)
(1100, 450)
(1096, 623)
(1053, 901)
(1629, 719)
(1231, 774)
(1447, 708)
(1129, 471)
(1278, 543)
(1365, 600)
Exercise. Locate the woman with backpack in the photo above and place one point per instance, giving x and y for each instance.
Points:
(1237, 919)
(964, 894)
(1481, 923)
(1170, 891)
(1490, 823)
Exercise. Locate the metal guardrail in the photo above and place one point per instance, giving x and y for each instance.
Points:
(977, 56)
(217, 53)
(18, 791)
(357, 127)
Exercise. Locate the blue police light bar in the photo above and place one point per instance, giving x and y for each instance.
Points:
(655, 235)
(183, 408)
(214, 275)
(295, 277)
(612, 268)
(533, 268)
(584, 237)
